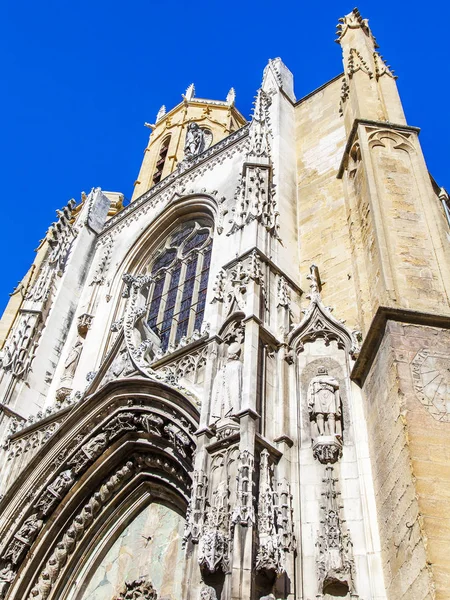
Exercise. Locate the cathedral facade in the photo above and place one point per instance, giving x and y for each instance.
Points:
(237, 387)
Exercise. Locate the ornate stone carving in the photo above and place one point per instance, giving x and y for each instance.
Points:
(352, 21)
(20, 347)
(76, 531)
(71, 364)
(227, 387)
(195, 141)
(208, 593)
(318, 322)
(121, 366)
(178, 438)
(269, 556)
(103, 265)
(214, 546)
(431, 381)
(23, 539)
(54, 492)
(381, 68)
(231, 286)
(7, 576)
(196, 510)
(244, 510)
(139, 589)
(88, 452)
(324, 407)
(254, 198)
(357, 63)
(124, 421)
(84, 324)
(334, 546)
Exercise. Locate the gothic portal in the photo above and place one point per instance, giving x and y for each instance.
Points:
(237, 387)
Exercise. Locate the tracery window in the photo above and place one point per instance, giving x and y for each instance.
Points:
(177, 294)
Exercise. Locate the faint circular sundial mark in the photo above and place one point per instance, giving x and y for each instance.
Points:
(431, 380)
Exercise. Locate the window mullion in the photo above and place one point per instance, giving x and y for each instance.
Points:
(162, 305)
(176, 312)
(198, 273)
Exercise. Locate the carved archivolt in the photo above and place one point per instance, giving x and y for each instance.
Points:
(166, 434)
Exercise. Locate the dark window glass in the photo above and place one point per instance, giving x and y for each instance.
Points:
(192, 287)
(155, 303)
(166, 258)
(186, 299)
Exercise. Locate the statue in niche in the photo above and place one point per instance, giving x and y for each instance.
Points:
(208, 593)
(71, 364)
(227, 387)
(323, 402)
(195, 141)
(7, 576)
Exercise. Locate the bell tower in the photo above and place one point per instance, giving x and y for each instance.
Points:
(188, 129)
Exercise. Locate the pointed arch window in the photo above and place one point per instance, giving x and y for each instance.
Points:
(177, 294)
(163, 151)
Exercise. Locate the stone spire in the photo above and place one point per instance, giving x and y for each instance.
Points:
(368, 89)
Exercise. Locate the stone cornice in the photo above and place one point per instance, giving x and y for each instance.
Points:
(377, 329)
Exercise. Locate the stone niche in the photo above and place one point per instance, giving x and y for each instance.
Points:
(327, 446)
(148, 549)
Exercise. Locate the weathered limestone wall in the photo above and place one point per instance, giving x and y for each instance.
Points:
(322, 216)
(408, 421)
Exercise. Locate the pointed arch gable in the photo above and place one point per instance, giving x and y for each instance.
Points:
(130, 433)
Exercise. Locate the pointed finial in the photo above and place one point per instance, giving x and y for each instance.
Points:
(190, 92)
(161, 113)
(231, 97)
(353, 21)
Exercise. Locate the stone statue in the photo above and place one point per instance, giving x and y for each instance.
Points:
(7, 576)
(227, 387)
(323, 401)
(195, 141)
(70, 366)
(208, 593)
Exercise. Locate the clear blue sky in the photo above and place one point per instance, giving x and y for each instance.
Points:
(81, 78)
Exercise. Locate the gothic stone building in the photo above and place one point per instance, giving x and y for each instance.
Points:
(237, 387)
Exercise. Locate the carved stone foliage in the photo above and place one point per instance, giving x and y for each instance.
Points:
(139, 589)
(324, 407)
(215, 540)
(76, 531)
(197, 506)
(103, 265)
(254, 198)
(381, 68)
(231, 285)
(353, 21)
(31, 442)
(269, 554)
(187, 366)
(216, 534)
(20, 347)
(274, 523)
(357, 63)
(335, 563)
(319, 323)
(244, 509)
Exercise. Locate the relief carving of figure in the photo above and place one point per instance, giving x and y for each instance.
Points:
(7, 576)
(195, 141)
(227, 387)
(71, 364)
(23, 538)
(324, 402)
